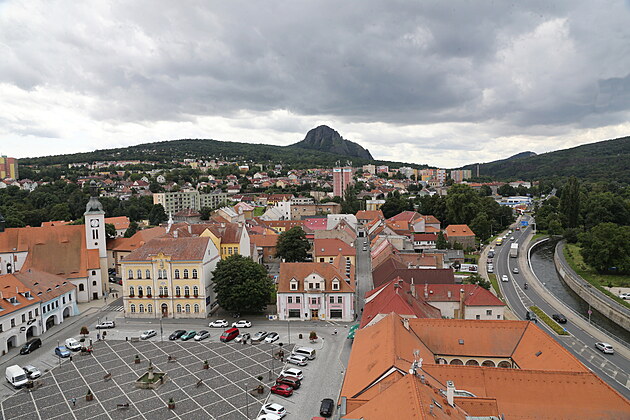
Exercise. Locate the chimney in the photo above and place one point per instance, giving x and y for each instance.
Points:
(426, 290)
(406, 323)
(449, 294)
(175, 233)
(413, 289)
(462, 306)
(450, 393)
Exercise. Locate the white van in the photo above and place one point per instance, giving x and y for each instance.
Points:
(307, 352)
(73, 344)
(16, 376)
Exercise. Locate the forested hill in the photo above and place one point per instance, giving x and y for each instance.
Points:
(604, 160)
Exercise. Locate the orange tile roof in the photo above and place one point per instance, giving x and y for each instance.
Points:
(300, 271)
(137, 240)
(370, 215)
(10, 287)
(407, 216)
(458, 230)
(332, 247)
(120, 222)
(269, 241)
(49, 285)
(474, 295)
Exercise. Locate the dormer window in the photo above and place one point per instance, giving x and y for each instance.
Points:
(294, 284)
(335, 284)
(13, 300)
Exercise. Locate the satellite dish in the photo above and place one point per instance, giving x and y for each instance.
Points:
(412, 371)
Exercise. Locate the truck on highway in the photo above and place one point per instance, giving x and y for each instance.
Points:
(514, 250)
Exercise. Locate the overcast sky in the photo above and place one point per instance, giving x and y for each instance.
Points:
(444, 83)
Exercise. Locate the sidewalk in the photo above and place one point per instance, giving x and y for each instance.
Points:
(574, 318)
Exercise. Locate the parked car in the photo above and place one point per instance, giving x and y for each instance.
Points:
(176, 334)
(32, 372)
(327, 407)
(105, 325)
(73, 344)
(271, 337)
(292, 381)
(242, 337)
(267, 416)
(307, 352)
(242, 324)
(219, 323)
(559, 318)
(273, 408)
(188, 335)
(504, 277)
(512, 238)
(282, 389)
(490, 268)
(31, 345)
(515, 270)
(625, 295)
(605, 347)
(229, 334)
(202, 335)
(259, 336)
(292, 372)
(147, 334)
(297, 360)
(62, 351)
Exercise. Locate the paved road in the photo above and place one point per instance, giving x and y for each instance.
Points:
(363, 273)
(614, 369)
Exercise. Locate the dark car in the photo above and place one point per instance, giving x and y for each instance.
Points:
(31, 345)
(559, 318)
(292, 381)
(530, 316)
(176, 334)
(327, 407)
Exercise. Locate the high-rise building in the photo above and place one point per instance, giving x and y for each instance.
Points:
(342, 177)
(8, 167)
(458, 175)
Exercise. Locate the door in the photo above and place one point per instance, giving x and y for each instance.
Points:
(95, 295)
(314, 313)
(164, 310)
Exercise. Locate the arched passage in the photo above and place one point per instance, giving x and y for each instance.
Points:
(11, 342)
(51, 321)
(504, 364)
(488, 363)
(456, 362)
(472, 362)
(32, 331)
(66, 313)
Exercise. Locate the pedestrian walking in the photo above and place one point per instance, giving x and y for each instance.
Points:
(98, 336)
(74, 402)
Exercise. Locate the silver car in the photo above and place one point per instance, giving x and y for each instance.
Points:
(297, 360)
(605, 347)
(31, 371)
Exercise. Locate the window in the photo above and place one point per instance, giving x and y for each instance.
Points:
(196, 308)
(148, 290)
(194, 273)
(133, 308)
(141, 307)
(298, 299)
(139, 274)
(94, 283)
(150, 308)
(187, 308)
(81, 287)
(37, 311)
(311, 286)
(489, 312)
(140, 292)
(131, 291)
(185, 273)
(63, 300)
(93, 272)
(293, 285)
(290, 299)
(313, 301)
(336, 313)
(147, 274)
(477, 316)
(12, 322)
(130, 274)
(195, 290)
(339, 299)
(332, 299)
(186, 291)
(23, 317)
(178, 291)
(1, 327)
(176, 274)
(179, 308)
(230, 251)
(294, 313)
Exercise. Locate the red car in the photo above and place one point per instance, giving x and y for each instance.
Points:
(282, 389)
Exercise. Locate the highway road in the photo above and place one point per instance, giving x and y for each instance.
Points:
(612, 368)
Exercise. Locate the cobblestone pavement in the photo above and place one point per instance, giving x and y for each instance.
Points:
(220, 395)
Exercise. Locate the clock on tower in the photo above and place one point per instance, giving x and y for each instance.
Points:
(94, 223)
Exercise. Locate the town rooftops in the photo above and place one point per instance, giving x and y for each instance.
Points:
(12, 295)
(458, 230)
(474, 295)
(327, 247)
(179, 249)
(300, 271)
(44, 285)
(120, 222)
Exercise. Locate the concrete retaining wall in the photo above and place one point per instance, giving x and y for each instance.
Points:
(617, 313)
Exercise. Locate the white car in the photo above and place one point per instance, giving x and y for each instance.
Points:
(297, 373)
(219, 323)
(242, 324)
(273, 336)
(242, 337)
(605, 347)
(297, 360)
(625, 295)
(147, 334)
(73, 344)
(268, 416)
(515, 270)
(273, 408)
(504, 277)
(32, 372)
(512, 238)
(106, 324)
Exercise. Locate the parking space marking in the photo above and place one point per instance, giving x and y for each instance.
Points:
(124, 393)
(182, 389)
(35, 404)
(86, 383)
(131, 370)
(63, 396)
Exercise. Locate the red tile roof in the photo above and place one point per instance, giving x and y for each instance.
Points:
(300, 271)
(49, 285)
(179, 249)
(121, 222)
(458, 230)
(474, 295)
(10, 287)
(332, 247)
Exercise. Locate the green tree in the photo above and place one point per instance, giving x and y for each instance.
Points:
(462, 204)
(606, 246)
(481, 226)
(350, 204)
(506, 190)
(478, 280)
(131, 230)
(157, 215)
(441, 242)
(292, 245)
(485, 191)
(395, 204)
(110, 230)
(570, 203)
(242, 285)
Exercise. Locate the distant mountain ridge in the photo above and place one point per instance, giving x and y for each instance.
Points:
(603, 160)
(325, 139)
